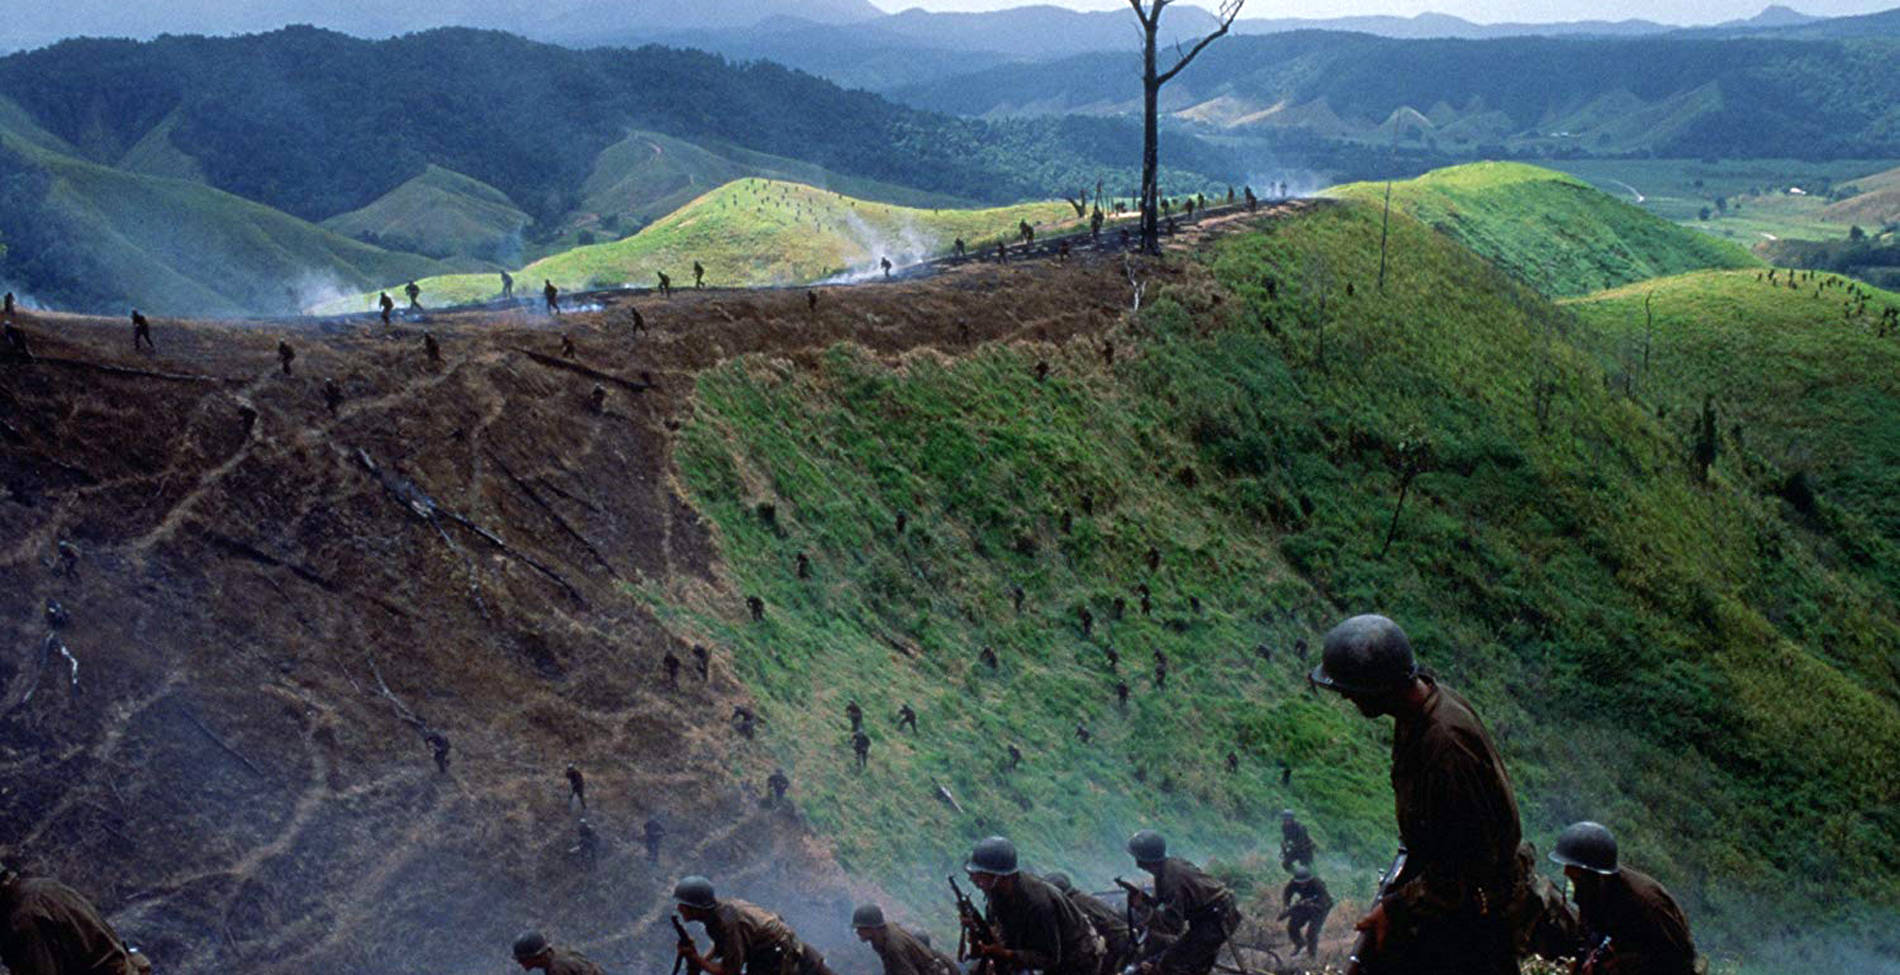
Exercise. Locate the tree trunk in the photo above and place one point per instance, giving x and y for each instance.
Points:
(1150, 141)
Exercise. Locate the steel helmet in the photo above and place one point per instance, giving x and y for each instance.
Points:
(1059, 881)
(1588, 845)
(530, 945)
(995, 855)
(867, 916)
(1147, 846)
(1366, 655)
(695, 891)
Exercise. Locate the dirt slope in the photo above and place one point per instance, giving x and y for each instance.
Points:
(265, 623)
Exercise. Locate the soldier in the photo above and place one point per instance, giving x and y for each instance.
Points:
(1036, 926)
(1305, 902)
(907, 717)
(1062, 249)
(1016, 597)
(958, 248)
(414, 291)
(1253, 203)
(745, 720)
(1161, 670)
(1042, 371)
(68, 558)
(576, 786)
(672, 664)
(778, 783)
(756, 607)
(861, 747)
(597, 400)
(903, 521)
(56, 616)
(902, 952)
(988, 657)
(1082, 733)
(1015, 757)
(699, 276)
(247, 417)
(285, 355)
(387, 304)
(702, 662)
(332, 395)
(1026, 232)
(1108, 359)
(747, 939)
(1153, 559)
(652, 835)
(1233, 762)
(532, 951)
(1296, 844)
(15, 339)
(1118, 942)
(1114, 658)
(811, 300)
(1634, 925)
(885, 264)
(438, 744)
(1121, 694)
(1205, 904)
(1457, 815)
(1286, 773)
(507, 286)
(1087, 620)
(567, 346)
(639, 320)
(1147, 600)
(432, 348)
(803, 562)
(855, 715)
(142, 332)
(48, 928)
(666, 284)
(552, 294)
(1002, 252)
(9, 308)
(1095, 224)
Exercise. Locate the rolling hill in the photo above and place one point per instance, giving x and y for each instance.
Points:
(1555, 232)
(440, 214)
(748, 233)
(1878, 203)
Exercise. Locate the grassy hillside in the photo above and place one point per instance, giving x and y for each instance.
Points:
(1555, 232)
(1694, 663)
(752, 232)
(1805, 377)
(95, 238)
(440, 213)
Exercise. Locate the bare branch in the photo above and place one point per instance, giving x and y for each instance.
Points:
(1229, 9)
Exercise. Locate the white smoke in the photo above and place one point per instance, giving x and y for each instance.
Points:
(321, 292)
(907, 244)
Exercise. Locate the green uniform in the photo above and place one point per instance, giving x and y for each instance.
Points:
(1648, 933)
(1044, 929)
(750, 939)
(1117, 941)
(904, 953)
(564, 962)
(1205, 905)
(48, 928)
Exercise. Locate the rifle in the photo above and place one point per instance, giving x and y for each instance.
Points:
(1356, 963)
(1594, 961)
(685, 943)
(976, 931)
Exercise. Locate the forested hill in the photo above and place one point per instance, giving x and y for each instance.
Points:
(1684, 96)
(317, 123)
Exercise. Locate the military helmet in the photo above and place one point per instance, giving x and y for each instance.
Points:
(1302, 872)
(1588, 845)
(995, 855)
(867, 916)
(1365, 655)
(1286, 814)
(1147, 846)
(1059, 881)
(531, 944)
(695, 891)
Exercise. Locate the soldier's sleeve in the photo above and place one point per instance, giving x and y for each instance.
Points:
(1041, 939)
(732, 946)
(1455, 847)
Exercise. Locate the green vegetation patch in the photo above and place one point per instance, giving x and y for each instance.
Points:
(1559, 558)
(1553, 231)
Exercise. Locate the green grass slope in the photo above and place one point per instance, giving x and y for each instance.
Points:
(113, 239)
(157, 154)
(1803, 378)
(752, 232)
(441, 214)
(647, 176)
(1693, 663)
(1556, 232)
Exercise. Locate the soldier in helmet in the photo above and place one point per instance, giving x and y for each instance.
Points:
(1306, 902)
(142, 332)
(552, 295)
(902, 952)
(387, 304)
(1445, 912)
(1037, 927)
(532, 952)
(747, 939)
(1203, 903)
(1634, 925)
(652, 834)
(1118, 942)
(414, 291)
(48, 928)
(779, 783)
(1296, 844)
(286, 355)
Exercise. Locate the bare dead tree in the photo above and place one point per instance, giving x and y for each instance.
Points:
(1148, 12)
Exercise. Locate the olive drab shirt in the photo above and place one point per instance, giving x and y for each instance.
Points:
(1110, 923)
(1194, 896)
(904, 953)
(1648, 933)
(48, 928)
(1456, 812)
(1312, 894)
(749, 935)
(564, 962)
(1045, 930)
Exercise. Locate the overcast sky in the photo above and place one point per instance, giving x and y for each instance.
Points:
(1483, 11)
